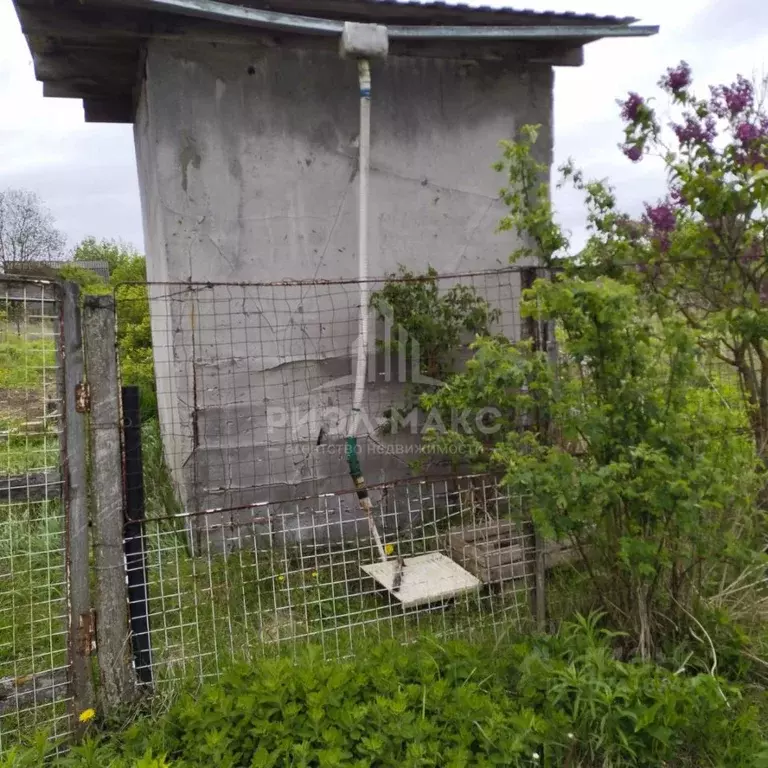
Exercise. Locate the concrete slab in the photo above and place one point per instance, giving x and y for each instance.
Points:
(430, 578)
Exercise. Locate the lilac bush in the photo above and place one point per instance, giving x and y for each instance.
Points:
(701, 251)
(705, 251)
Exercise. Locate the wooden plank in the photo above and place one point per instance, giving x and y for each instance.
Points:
(98, 45)
(74, 463)
(104, 65)
(497, 552)
(112, 110)
(560, 554)
(511, 572)
(114, 645)
(24, 693)
(34, 486)
(494, 574)
(500, 553)
(482, 532)
(73, 88)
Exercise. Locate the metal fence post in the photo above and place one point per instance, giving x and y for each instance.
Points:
(530, 330)
(73, 450)
(135, 555)
(113, 636)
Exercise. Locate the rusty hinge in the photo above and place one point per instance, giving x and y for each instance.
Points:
(82, 397)
(86, 634)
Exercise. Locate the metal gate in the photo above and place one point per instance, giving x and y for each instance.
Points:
(42, 495)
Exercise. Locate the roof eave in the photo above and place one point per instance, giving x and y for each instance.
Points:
(312, 25)
(576, 33)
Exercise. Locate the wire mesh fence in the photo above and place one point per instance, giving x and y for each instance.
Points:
(33, 584)
(243, 534)
(255, 381)
(269, 548)
(253, 593)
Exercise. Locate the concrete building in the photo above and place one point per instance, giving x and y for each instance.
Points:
(246, 128)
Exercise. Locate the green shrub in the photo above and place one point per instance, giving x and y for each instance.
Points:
(631, 454)
(87, 279)
(434, 322)
(548, 701)
(134, 330)
(633, 714)
(427, 329)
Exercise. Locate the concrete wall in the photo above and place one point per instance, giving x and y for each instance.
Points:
(248, 165)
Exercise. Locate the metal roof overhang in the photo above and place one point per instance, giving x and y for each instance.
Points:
(92, 49)
(310, 25)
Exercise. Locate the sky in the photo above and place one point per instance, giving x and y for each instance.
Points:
(86, 174)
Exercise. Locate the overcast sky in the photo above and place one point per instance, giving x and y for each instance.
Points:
(86, 173)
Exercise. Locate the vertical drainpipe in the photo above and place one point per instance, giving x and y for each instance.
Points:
(363, 41)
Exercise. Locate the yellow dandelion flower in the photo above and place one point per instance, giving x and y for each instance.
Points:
(314, 574)
(389, 549)
(281, 578)
(86, 715)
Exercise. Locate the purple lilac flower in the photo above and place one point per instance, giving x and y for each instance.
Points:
(693, 130)
(661, 216)
(662, 219)
(630, 109)
(753, 140)
(746, 133)
(731, 101)
(633, 151)
(677, 79)
(752, 158)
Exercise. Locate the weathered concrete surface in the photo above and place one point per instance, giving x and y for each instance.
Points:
(247, 166)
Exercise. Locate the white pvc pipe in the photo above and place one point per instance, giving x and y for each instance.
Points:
(364, 71)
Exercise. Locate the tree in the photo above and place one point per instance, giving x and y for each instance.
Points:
(27, 230)
(701, 252)
(704, 253)
(127, 280)
(114, 253)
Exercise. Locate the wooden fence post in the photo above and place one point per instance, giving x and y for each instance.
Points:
(530, 329)
(74, 472)
(113, 636)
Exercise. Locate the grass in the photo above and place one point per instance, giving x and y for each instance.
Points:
(28, 400)
(208, 610)
(33, 611)
(33, 596)
(26, 363)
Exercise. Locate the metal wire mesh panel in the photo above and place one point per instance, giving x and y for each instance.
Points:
(269, 548)
(33, 595)
(257, 591)
(255, 381)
